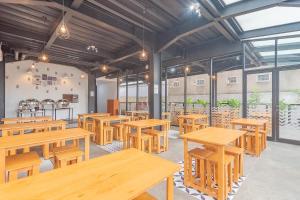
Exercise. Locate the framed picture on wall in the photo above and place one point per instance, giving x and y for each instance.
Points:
(44, 77)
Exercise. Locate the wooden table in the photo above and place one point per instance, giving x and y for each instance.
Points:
(256, 123)
(84, 117)
(148, 123)
(6, 128)
(133, 113)
(193, 118)
(25, 119)
(38, 139)
(119, 176)
(99, 123)
(219, 138)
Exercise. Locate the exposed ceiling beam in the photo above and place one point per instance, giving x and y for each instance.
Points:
(193, 25)
(86, 14)
(67, 17)
(271, 31)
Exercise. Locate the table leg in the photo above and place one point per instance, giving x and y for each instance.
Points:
(170, 188)
(139, 136)
(86, 147)
(221, 173)
(2, 166)
(101, 133)
(242, 156)
(180, 126)
(256, 141)
(193, 125)
(46, 151)
(83, 123)
(186, 164)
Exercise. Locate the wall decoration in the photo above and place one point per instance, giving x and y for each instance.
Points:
(44, 77)
(71, 89)
(56, 73)
(47, 91)
(37, 87)
(79, 83)
(17, 86)
(49, 78)
(55, 88)
(29, 79)
(37, 70)
(48, 69)
(49, 82)
(18, 67)
(36, 80)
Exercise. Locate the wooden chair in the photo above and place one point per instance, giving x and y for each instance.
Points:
(145, 196)
(146, 141)
(238, 161)
(67, 156)
(212, 174)
(108, 134)
(118, 131)
(250, 142)
(28, 162)
(199, 179)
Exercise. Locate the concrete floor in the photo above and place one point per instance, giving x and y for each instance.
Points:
(273, 176)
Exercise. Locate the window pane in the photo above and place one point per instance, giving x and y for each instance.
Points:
(260, 54)
(289, 52)
(227, 2)
(269, 17)
(143, 92)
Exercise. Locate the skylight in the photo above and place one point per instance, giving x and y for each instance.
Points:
(269, 17)
(276, 35)
(227, 2)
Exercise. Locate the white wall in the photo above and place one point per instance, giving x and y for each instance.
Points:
(19, 86)
(106, 89)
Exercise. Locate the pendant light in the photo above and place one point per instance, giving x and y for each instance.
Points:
(143, 54)
(62, 30)
(44, 56)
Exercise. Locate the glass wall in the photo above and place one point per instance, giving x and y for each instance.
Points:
(142, 103)
(122, 94)
(198, 87)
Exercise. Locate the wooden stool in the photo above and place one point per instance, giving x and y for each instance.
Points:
(68, 156)
(146, 140)
(22, 162)
(156, 136)
(238, 154)
(212, 174)
(118, 131)
(89, 124)
(200, 156)
(108, 134)
(250, 142)
(145, 196)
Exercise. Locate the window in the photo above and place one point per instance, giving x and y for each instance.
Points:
(232, 80)
(262, 78)
(269, 17)
(199, 82)
(175, 84)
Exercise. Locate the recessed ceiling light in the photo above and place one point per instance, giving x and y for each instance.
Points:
(195, 8)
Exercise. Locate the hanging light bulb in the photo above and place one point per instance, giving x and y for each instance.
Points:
(104, 68)
(143, 54)
(82, 76)
(146, 76)
(62, 31)
(44, 57)
(187, 69)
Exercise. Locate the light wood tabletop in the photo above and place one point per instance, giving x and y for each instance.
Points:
(193, 116)
(99, 124)
(119, 176)
(256, 123)
(25, 119)
(37, 139)
(147, 123)
(219, 138)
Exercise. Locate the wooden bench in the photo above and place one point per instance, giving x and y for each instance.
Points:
(157, 135)
(238, 161)
(118, 131)
(200, 156)
(67, 156)
(212, 171)
(28, 162)
(145, 196)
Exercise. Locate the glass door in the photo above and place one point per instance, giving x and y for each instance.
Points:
(260, 97)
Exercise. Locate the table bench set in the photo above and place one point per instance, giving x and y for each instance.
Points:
(115, 176)
(221, 147)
